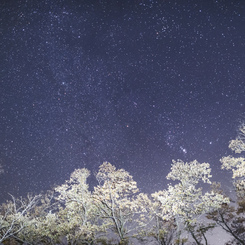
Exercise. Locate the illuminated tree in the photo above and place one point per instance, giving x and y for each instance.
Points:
(185, 203)
(42, 222)
(163, 231)
(77, 220)
(237, 164)
(229, 219)
(72, 217)
(238, 145)
(115, 198)
(14, 216)
(232, 218)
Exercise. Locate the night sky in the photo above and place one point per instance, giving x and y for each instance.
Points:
(136, 83)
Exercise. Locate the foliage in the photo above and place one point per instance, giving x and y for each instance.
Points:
(115, 212)
(237, 164)
(232, 218)
(229, 220)
(77, 219)
(238, 145)
(41, 225)
(14, 216)
(236, 220)
(184, 202)
(162, 231)
(116, 202)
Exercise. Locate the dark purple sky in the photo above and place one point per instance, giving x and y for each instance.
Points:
(136, 83)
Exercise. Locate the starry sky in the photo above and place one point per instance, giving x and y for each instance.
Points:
(133, 82)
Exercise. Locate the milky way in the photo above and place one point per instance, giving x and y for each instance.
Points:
(135, 83)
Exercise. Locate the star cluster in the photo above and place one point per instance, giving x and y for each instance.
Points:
(136, 83)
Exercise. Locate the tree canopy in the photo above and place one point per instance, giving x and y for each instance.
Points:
(115, 211)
